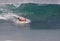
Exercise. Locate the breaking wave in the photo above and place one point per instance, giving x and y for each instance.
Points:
(42, 15)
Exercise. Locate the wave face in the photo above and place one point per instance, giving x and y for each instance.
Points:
(43, 16)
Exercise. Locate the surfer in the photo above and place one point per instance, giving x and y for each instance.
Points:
(22, 19)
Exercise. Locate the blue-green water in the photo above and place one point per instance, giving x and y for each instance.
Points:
(42, 16)
(44, 26)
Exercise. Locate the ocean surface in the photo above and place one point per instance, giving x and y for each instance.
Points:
(44, 25)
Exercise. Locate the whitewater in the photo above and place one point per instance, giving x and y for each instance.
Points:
(13, 17)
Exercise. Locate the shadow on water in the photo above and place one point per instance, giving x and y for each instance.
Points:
(38, 25)
(48, 23)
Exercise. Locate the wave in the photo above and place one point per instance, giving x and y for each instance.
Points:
(33, 9)
(37, 11)
(45, 15)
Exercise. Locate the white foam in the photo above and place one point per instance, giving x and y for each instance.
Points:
(13, 17)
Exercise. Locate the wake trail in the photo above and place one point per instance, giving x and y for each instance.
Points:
(13, 17)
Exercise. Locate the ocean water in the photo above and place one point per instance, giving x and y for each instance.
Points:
(44, 25)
